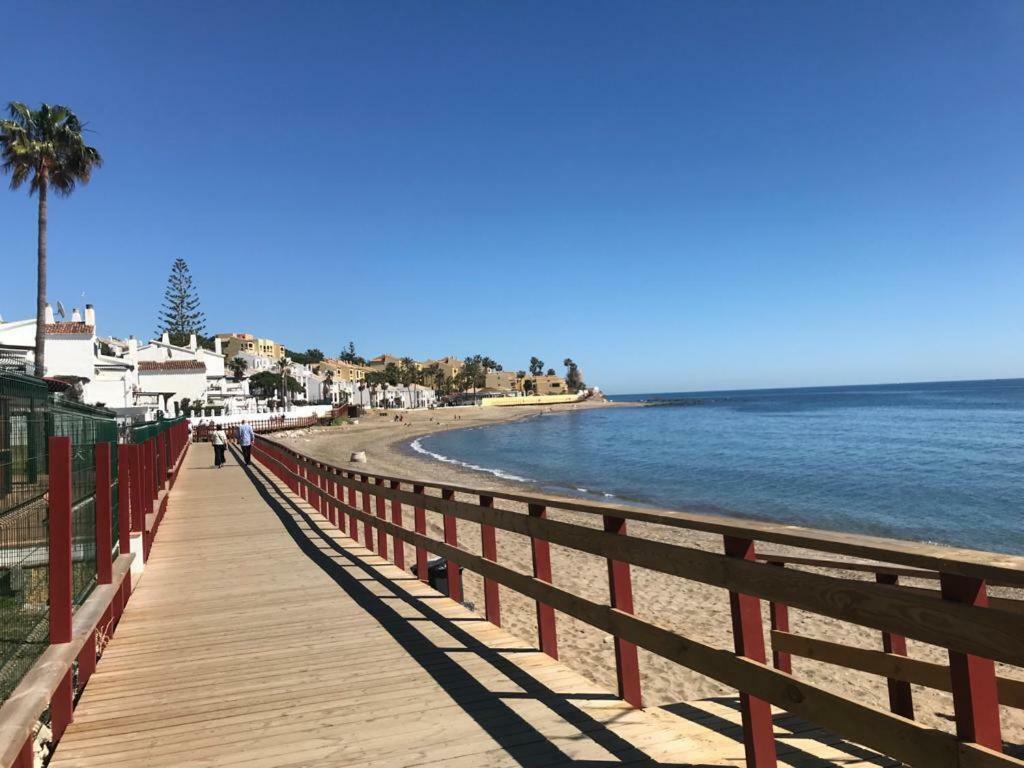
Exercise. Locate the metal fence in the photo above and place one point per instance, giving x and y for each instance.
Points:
(28, 416)
(24, 542)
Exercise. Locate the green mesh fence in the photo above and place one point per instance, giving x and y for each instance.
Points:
(24, 540)
(86, 426)
(28, 416)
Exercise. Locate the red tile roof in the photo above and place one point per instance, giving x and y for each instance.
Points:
(154, 366)
(54, 329)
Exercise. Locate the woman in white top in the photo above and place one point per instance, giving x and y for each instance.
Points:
(219, 441)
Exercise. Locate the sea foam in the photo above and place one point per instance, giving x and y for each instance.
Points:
(417, 446)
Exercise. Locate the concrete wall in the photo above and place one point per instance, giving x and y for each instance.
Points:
(496, 402)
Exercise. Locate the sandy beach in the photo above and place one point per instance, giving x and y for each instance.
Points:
(692, 609)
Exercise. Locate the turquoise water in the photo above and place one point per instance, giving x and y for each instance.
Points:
(940, 462)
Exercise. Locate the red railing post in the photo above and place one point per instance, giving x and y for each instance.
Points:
(62, 707)
(973, 678)
(138, 487)
(489, 548)
(779, 613)
(901, 698)
(420, 525)
(104, 516)
(748, 637)
(314, 497)
(367, 526)
(382, 537)
(353, 521)
(154, 490)
(620, 583)
(332, 495)
(451, 538)
(124, 499)
(396, 518)
(27, 756)
(547, 637)
(60, 540)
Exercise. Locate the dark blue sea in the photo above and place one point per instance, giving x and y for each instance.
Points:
(938, 462)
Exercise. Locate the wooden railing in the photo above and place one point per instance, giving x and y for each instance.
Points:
(263, 426)
(959, 617)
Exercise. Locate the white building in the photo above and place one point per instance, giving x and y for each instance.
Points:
(121, 375)
(398, 396)
(170, 374)
(73, 354)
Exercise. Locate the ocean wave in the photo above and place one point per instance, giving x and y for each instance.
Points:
(418, 447)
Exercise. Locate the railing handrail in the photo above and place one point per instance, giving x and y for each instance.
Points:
(959, 618)
(998, 568)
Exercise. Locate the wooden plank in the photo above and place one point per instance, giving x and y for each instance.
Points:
(915, 671)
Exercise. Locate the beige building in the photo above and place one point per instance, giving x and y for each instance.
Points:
(382, 361)
(505, 381)
(236, 343)
(449, 366)
(343, 371)
(548, 385)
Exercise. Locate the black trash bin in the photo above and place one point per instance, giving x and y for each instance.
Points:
(437, 574)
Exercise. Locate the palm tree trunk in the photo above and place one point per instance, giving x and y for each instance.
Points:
(41, 278)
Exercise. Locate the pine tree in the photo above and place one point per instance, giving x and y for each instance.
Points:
(180, 316)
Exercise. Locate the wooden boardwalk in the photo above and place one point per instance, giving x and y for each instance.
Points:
(261, 636)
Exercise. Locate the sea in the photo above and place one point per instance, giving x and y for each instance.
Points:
(940, 462)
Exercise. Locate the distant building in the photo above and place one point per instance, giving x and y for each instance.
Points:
(449, 366)
(503, 381)
(236, 343)
(383, 361)
(343, 371)
(547, 385)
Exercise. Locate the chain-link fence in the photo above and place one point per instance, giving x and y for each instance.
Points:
(24, 541)
(28, 416)
(86, 426)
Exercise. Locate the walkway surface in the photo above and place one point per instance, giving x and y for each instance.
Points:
(261, 636)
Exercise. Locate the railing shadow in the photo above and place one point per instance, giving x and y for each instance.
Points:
(792, 754)
(520, 739)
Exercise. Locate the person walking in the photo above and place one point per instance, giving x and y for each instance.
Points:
(219, 441)
(245, 440)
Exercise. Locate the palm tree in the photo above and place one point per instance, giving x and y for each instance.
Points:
(45, 148)
(238, 367)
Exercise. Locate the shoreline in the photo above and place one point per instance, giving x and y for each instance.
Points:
(663, 599)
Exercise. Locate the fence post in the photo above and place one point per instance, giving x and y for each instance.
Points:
(396, 518)
(779, 613)
(124, 499)
(60, 540)
(138, 489)
(332, 496)
(489, 548)
(620, 584)
(382, 537)
(60, 584)
(547, 638)
(901, 698)
(104, 515)
(353, 521)
(367, 526)
(420, 525)
(451, 538)
(748, 637)
(973, 678)
(153, 471)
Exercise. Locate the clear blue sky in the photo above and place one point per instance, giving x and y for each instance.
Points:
(679, 195)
